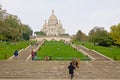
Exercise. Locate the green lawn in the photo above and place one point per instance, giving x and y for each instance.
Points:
(107, 51)
(57, 50)
(7, 48)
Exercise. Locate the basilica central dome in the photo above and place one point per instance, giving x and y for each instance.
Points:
(53, 27)
(52, 19)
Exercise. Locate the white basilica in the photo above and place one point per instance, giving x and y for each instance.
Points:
(53, 27)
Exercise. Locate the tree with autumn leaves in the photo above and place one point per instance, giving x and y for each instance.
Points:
(115, 33)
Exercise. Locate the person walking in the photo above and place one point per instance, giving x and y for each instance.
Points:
(78, 60)
(32, 55)
(15, 54)
(71, 70)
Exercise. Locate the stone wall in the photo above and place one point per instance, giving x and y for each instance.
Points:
(49, 38)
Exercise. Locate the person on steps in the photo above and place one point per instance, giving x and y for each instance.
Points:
(32, 55)
(15, 54)
(71, 70)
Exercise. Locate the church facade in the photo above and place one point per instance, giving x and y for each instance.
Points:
(53, 27)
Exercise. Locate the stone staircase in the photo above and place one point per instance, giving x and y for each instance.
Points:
(24, 68)
(93, 54)
(58, 70)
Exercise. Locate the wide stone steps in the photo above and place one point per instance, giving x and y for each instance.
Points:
(58, 70)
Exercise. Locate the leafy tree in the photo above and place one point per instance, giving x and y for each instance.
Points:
(99, 36)
(39, 33)
(80, 36)
(64, 34)
(11, 28)
(2, 28)
(25, 36)
(115, 33)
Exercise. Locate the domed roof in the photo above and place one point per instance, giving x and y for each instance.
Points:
(53, 17)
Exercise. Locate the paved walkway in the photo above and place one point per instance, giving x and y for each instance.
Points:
(58, 70)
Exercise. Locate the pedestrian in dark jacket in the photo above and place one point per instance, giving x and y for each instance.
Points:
(15, 54)
(71, 70)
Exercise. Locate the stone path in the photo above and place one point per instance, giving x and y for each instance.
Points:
(94, 55)
(58, 70)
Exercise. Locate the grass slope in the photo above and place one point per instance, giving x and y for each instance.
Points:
(7, 48)
(57, 49)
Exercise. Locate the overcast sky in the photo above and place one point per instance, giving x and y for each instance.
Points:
(74, 14)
